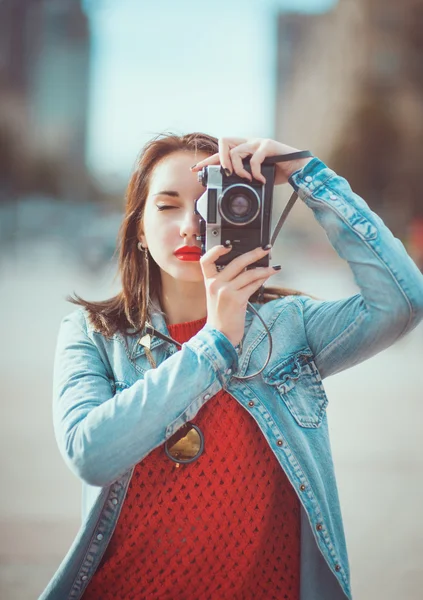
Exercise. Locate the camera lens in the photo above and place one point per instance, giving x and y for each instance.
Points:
(239, 204)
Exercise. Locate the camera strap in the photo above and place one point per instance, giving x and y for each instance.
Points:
(285, 158)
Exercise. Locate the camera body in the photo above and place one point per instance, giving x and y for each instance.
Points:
(236, 210)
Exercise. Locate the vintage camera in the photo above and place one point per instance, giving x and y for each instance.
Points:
(234, 209)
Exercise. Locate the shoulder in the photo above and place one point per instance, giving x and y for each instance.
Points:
(290, 302)
(81, 318)
(280, 315)
(76, 319)
(78, 323)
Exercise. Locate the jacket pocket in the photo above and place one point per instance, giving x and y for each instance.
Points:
(300, 386)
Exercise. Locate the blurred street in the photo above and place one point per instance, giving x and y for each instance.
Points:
(83, 86)
(375, 414)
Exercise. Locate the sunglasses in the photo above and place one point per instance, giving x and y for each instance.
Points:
(185, 445)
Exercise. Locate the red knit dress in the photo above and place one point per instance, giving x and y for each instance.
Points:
(226, 526)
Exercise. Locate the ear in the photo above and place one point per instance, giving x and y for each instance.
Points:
(141, 237)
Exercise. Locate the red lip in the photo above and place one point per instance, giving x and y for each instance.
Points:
(185, 250)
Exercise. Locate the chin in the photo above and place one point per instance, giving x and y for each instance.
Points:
(185, 271)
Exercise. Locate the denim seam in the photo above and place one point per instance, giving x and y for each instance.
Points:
(345, 334)
(203, 348)
(370, 247)
(298, 473)
(253, 345)
(78, 576)
(293, 467)
(307, 190)
(358, 211)
(296, 470)
(85, 583)
(183, 413)
(93, 342)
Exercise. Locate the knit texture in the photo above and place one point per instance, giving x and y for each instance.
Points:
(226, 526)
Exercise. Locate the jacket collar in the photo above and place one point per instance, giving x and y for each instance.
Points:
(140, 343)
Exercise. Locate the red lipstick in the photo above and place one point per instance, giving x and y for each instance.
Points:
(188, 253)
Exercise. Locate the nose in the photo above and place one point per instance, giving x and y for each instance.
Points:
(190, 226)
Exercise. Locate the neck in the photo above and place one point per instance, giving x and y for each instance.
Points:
(183, 301)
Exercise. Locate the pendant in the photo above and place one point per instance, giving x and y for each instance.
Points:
(145, 341)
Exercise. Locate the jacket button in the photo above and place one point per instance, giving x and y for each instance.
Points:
(251, 403)
(302, 487)
(100, 537)
(115, 501)
(319, 527)
(84, 578)
(337, 568)
(279, 442)
(206, 397)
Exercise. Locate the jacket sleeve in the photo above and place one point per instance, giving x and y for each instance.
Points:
(390, 303)
(102, 434)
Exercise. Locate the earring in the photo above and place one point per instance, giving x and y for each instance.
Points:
(141, 248)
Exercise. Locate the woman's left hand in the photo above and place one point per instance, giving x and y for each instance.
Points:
(233, 150)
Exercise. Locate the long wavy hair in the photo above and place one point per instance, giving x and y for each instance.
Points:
(128, 311)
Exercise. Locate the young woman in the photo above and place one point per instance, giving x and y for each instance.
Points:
(198, 483)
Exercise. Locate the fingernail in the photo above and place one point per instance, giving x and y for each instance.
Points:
(277, 267)
(227, 244)
(228, 173)
(193, 166)
(267, 247)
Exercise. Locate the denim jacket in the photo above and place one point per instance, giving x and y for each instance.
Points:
(111, 408)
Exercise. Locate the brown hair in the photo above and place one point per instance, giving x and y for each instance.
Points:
(129, 308)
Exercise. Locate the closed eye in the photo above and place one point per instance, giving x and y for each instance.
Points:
(165, 207)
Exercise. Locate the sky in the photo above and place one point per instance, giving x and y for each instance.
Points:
(180, 66)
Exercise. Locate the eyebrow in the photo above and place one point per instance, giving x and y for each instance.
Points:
(167, 193)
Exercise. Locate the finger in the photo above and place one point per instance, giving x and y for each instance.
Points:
(236, 159)
(225, 157)
(225, 146)
(244, 150)
(250, 289)
(214, 159)
(238, 264)
(208, 260)
(256, 162)
(251, 276)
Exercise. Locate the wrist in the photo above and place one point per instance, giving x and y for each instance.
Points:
(296, 165)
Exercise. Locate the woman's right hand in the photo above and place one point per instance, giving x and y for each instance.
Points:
(229, 290)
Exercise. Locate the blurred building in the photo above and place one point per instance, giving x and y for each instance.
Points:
(44, 83)
(350, 88)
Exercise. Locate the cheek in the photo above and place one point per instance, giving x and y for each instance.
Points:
(159, 231)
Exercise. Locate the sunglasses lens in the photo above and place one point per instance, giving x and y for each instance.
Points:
(185, 445)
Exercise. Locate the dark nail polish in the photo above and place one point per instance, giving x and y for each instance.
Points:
(227, 244)
(277, 267)
(228, 173)
(267, 247)
(193, 166)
